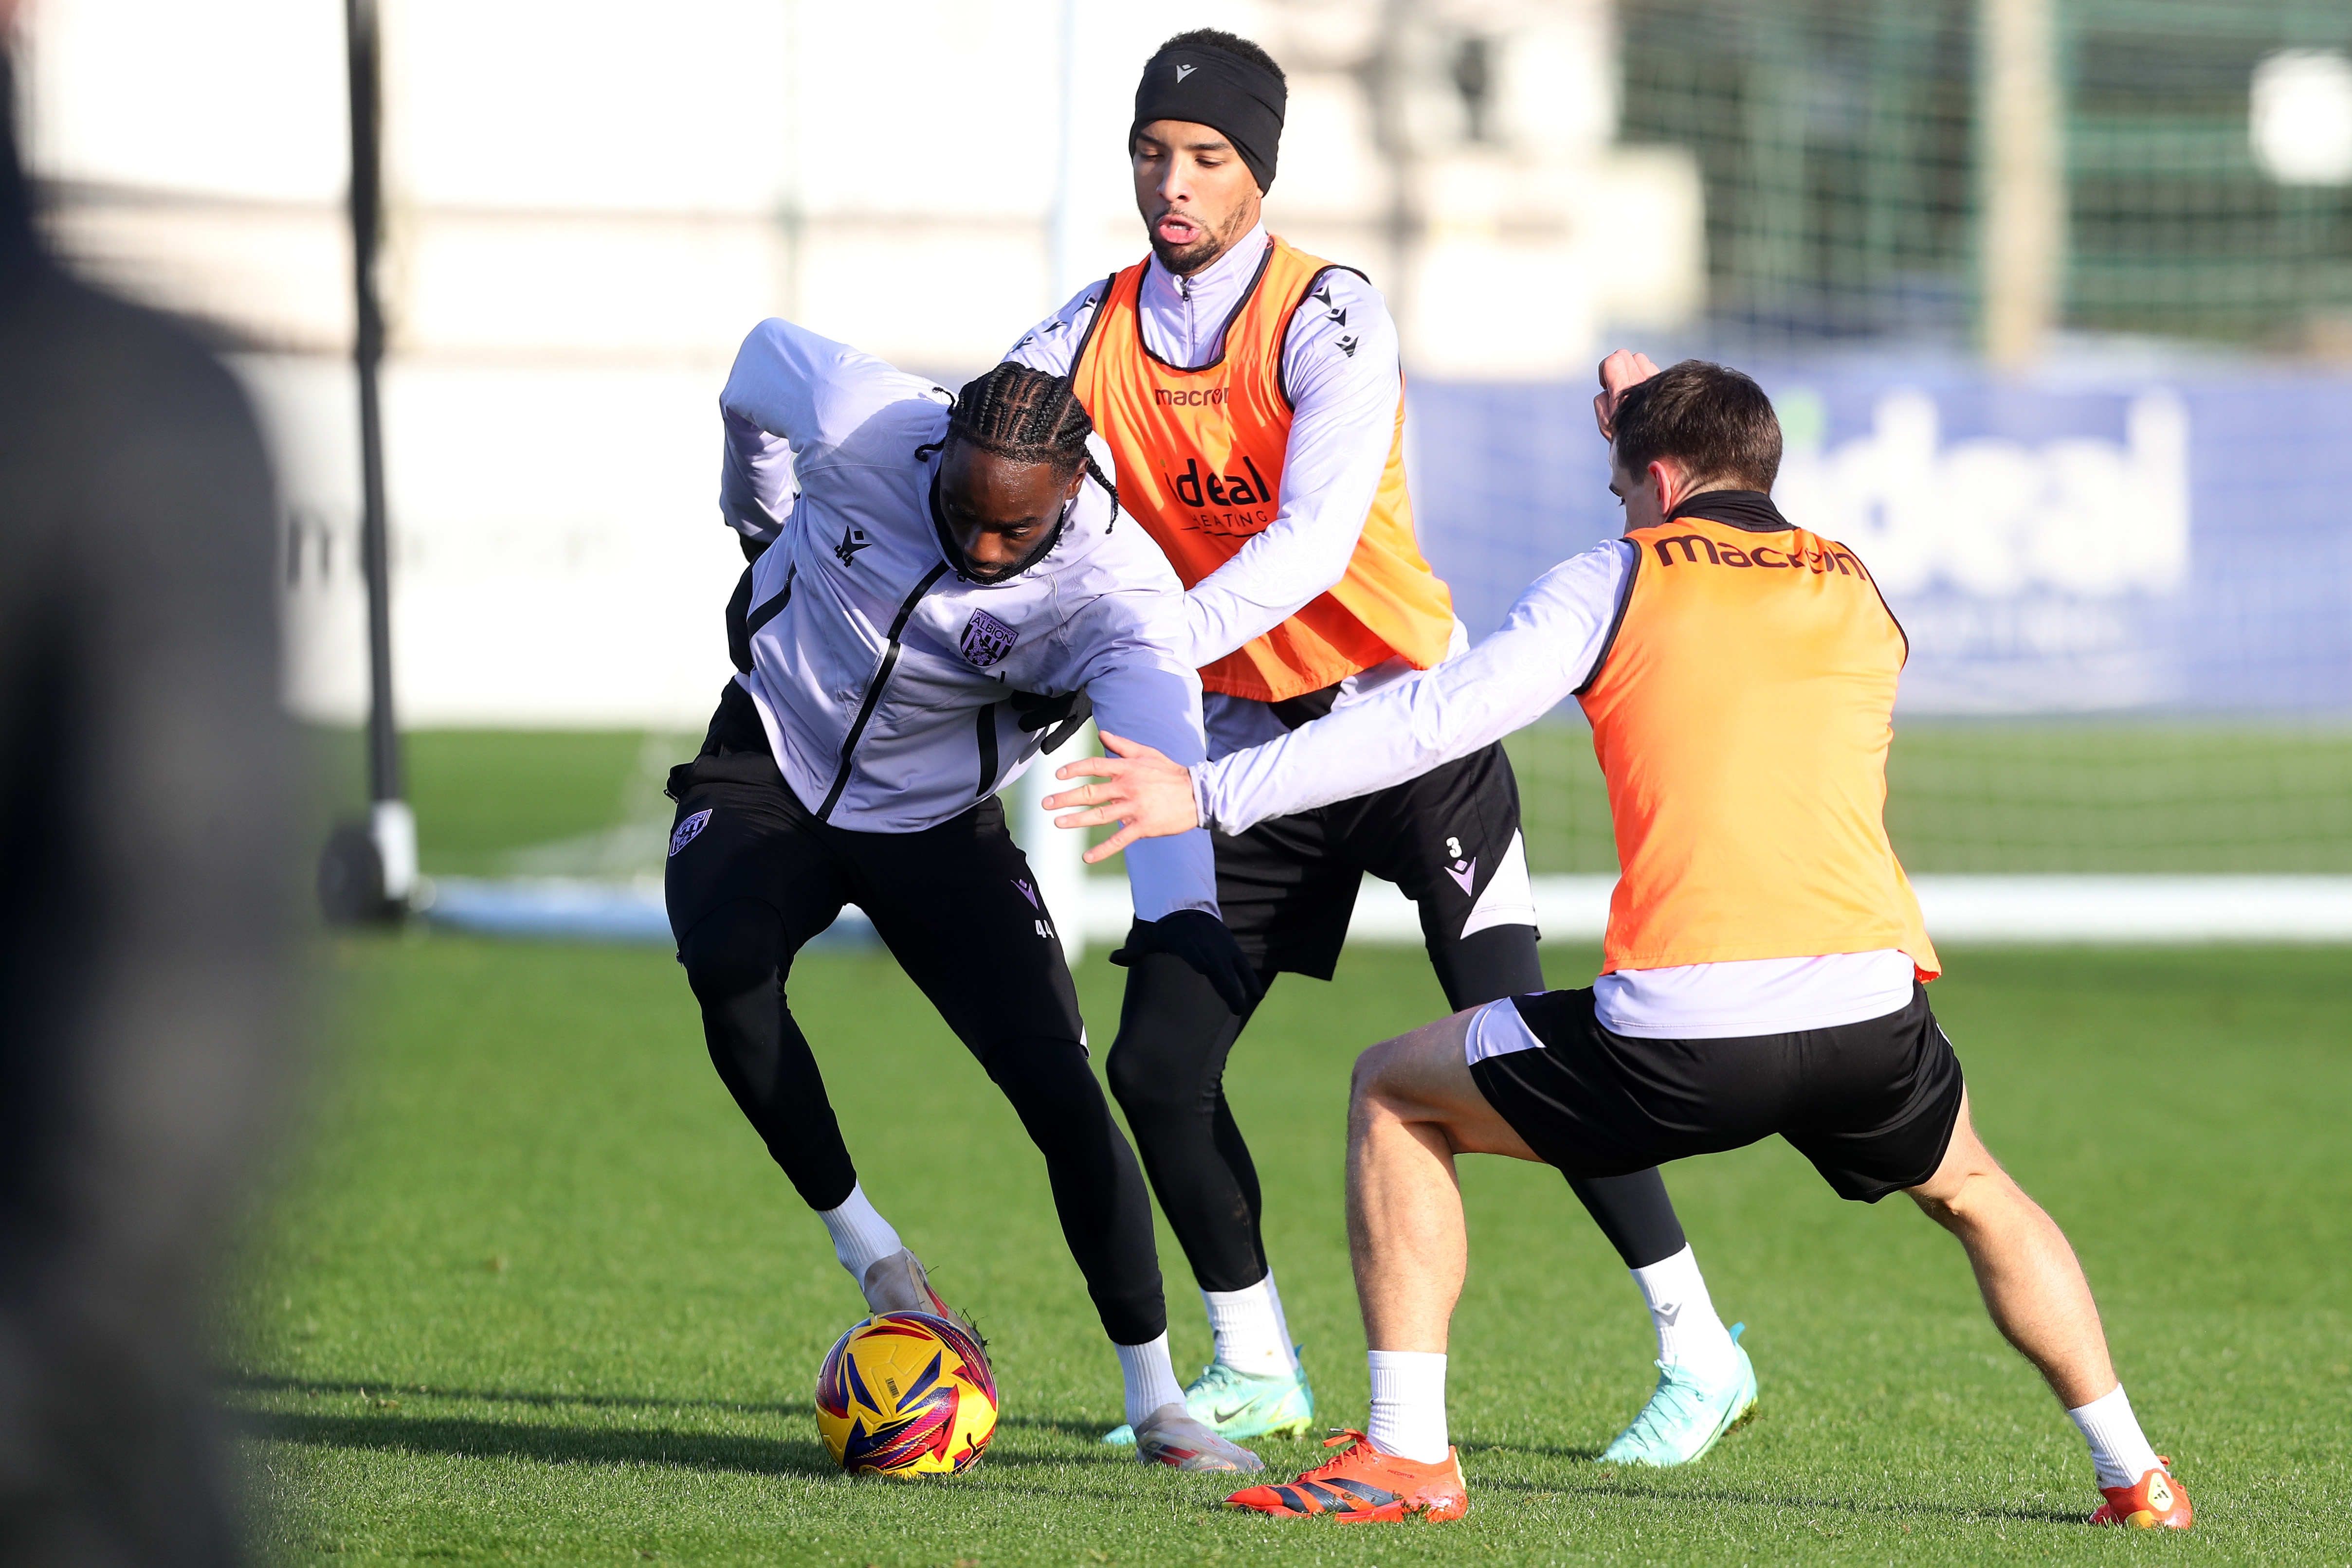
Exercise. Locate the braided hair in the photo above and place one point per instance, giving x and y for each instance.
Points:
(1024, 416)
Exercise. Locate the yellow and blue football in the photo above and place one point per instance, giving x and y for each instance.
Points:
(906, 1393)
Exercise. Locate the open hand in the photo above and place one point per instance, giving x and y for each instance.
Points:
(1147, 794)
(1619, 370)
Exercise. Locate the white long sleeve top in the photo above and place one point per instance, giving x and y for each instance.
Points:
(1546, 649)
(881, 676)
(1340, 362)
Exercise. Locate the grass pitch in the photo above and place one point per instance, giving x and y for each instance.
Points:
(531, 1291)
(2099, 795)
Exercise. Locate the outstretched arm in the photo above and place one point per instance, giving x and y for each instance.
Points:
(1147, 794)
(1546, 649)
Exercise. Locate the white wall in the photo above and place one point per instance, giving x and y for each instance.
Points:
(589, 205)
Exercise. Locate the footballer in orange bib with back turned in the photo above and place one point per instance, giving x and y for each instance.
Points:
(1741, 716)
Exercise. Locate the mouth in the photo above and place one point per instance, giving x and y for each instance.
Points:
(1176, 229)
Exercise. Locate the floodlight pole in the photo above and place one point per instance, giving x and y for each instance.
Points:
(2023, 112)
(390, 825)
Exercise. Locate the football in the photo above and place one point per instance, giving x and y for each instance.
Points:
(906, 1393)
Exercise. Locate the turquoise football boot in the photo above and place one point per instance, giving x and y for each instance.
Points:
(1684, 1418)
(1236, 1405)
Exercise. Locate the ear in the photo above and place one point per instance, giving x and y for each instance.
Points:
(1667, 479)
(1070, 490)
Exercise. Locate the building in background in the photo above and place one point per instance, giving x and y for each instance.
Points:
(2054, 296)
(590, 205)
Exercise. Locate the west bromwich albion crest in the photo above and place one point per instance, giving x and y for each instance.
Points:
(689, 830)
(986, 640)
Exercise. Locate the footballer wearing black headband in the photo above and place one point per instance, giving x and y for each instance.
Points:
(1250, 396)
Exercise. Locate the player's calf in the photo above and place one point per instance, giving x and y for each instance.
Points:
(2034, 1289)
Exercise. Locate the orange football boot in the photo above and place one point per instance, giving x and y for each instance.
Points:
(2156, 1503)
(1365, 1486)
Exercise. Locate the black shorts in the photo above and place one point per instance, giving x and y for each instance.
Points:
(1288, 886)
(957, 904)
(1872, 1104)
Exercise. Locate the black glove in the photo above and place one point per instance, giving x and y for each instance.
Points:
(1200, 939)
(1061, 718)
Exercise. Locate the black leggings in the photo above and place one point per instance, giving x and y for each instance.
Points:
(735, 961)
(761, 877)
(1168, 1070)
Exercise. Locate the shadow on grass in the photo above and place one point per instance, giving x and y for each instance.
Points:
(549, 1445)
(556, 1444)
(1086, 1432)
(709, 1451)
(805, 1456)
(264, 1383)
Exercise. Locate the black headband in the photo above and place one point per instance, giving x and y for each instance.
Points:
(1209, 86)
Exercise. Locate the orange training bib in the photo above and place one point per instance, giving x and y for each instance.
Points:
(1199, 455)
(1741, 717)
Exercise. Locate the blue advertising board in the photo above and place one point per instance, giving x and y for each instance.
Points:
(2178, 543)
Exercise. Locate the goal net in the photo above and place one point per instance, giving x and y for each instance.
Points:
(2125, 565)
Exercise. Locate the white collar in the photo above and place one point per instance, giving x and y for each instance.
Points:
(1173, 306)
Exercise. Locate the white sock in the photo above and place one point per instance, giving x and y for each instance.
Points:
(1408, 1405)
(861, 1237)
(1689, 1333)
(1151, 1378)
(1250, 1334)
(2119, 1451)
(1281, 1318)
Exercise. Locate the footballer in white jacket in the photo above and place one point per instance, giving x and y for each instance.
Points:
(949, 579)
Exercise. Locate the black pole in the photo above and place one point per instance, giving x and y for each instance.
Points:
(367, 871)
(367, 217)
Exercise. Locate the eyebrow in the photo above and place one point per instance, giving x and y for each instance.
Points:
(1029, 521)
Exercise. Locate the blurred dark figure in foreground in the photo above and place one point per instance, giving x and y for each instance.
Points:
(144, 970)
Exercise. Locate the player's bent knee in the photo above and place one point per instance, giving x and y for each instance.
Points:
(1964, 1196)
(1045, 1076)
(1143, 1085)
(1374, 1077)
(1967, 1180)
(1414, 1077)
(735, 947)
